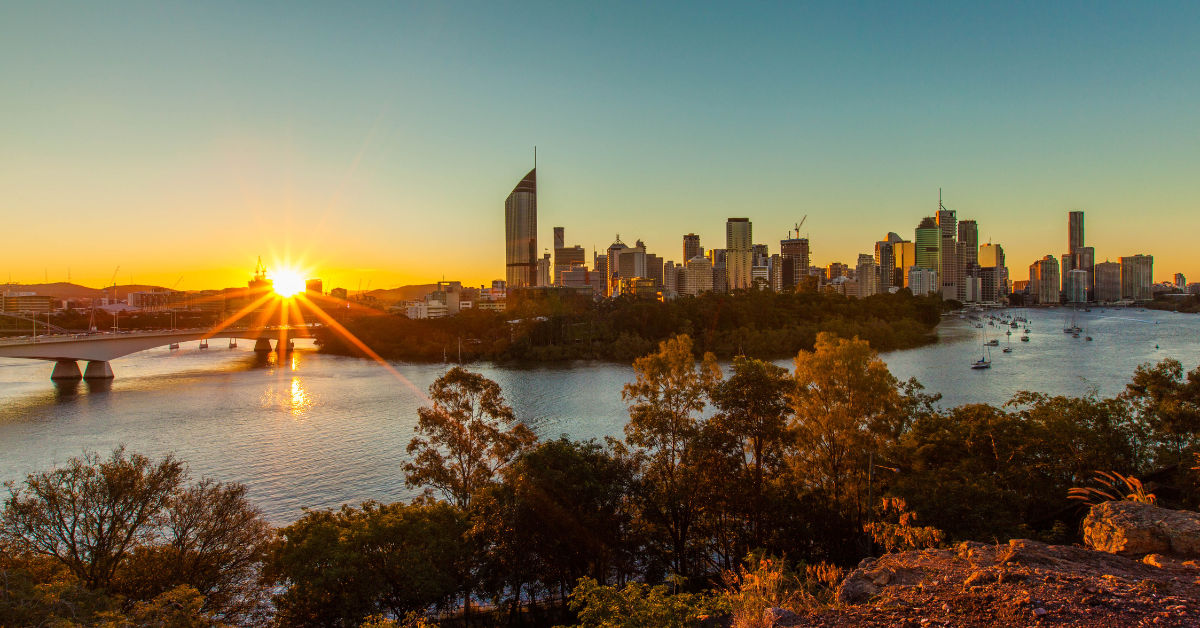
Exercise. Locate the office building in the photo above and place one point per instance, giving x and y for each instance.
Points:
(739, 253)
(761, 255)
(794, 262)
(691, 247)
(654, 269)
(928, 244)
(949, 272)
(543, 271)
(922, 281)
(867, 272)
(520, 233)
(1137, 277)
(992, 287)
(1180, 282)
(565, 257)
(844, 286)
(1044, 283)
(670, 278)
(1108, 282)
(905, 253)
(991, 255)
(612, 273)
(1075, 231)
(968, 235)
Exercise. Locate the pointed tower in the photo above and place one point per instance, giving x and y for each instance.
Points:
(520, 233)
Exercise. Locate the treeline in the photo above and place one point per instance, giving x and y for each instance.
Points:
(1187, 305)
(752, 323)
(717, 472)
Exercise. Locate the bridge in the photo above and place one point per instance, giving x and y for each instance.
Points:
(97, 349)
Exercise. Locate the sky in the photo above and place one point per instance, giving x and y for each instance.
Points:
(373, 144)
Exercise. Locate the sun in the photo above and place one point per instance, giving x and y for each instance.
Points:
(288, 283)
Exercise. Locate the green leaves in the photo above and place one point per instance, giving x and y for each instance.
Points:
(642, 606)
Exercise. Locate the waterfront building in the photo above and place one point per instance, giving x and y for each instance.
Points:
(867, 272)
(1108, 282)
(1044, 283)
(739, 253)
(992, 256)
(520, 233)
(928, 244)
(1075, 286)
(922, 281)
(1137, 277)
(949, 272)
(1065, 267)
(691, 247)
(992, 287)
(1180, 282)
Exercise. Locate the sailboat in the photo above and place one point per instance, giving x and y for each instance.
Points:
(1008, 348)
(984, 360)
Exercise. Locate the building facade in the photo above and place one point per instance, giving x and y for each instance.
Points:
(520, 233)
(1137, 277)
(739, 253)
(1108, 282)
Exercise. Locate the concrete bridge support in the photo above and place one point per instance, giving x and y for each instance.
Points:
(66, 370)
(98, 370)
(262, 345)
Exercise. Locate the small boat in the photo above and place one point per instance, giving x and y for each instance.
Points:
(1024, 338)
(204, 344)
(992, 343)
(1008, 333)
(982, 364)
(173, 345)
(1007, 349)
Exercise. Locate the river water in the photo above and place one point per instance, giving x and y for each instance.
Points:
(319, 431)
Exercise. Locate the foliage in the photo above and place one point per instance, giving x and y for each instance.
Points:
(767, 582)
(465, 438)
(901, 535)
(669, 391)
(1117, 487)
(1169, 405)
(126, 538)
(753, 323)
(641, 606)
(340, 567)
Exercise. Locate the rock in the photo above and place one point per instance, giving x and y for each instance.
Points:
(981, 577)
(1039, 612)
(867, 562)
(776, 614)
(857, 588)
(1136, 529)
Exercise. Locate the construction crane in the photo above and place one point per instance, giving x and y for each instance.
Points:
(800, 224)
(177, 282)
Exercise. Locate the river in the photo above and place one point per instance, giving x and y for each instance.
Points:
(319, 431)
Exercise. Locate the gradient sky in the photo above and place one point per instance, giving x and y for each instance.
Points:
(377, 142)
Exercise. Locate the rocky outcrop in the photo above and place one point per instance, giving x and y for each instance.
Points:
(1019, 583)
(1135, 529)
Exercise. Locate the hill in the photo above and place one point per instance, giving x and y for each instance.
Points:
(64, 290)
(403, 293)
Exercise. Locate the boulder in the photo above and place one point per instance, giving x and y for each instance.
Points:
(1136, 529)
(776, 615)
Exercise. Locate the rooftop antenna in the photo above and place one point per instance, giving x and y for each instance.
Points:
(535, 157)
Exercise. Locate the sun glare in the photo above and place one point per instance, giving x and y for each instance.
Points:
(288, 284)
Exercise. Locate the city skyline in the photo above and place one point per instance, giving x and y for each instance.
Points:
(371, 144)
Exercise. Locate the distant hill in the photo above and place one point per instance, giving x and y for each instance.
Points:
(403, 293)
(64, 290)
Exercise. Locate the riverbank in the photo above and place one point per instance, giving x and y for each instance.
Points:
(753, 323)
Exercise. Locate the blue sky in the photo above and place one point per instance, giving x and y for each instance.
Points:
(376, 142)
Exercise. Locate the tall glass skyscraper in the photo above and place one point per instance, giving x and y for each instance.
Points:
(520, 233)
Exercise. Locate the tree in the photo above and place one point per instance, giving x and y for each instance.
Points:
(754, 410)
(845, 404)
(669, 392)
(213, 540)
(1168, 404)
(467, 436)
(91, 513)
(342, 567)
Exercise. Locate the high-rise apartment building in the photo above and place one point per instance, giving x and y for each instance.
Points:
(1108, 282)
(739, 253)
(923, 281)
(691, 247)
(1075, 286)
(1044, 282)
(1079, 256)
(1137, 277)
(992, 256)
(520, 234)
(867, 272)
(655, 269)
(794, 262)
(1180, 282)
(565, 257)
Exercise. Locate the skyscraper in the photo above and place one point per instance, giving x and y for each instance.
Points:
(739, 253)
(1074, 231)
(951, 270)
(928, 240)
(968, 234)
(1044, 281)
(885, 261)
(520, 233)
(564, 257)
(867, 272)
(691, 247)
(793, 262)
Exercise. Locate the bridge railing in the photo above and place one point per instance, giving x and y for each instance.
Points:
(21, 340)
